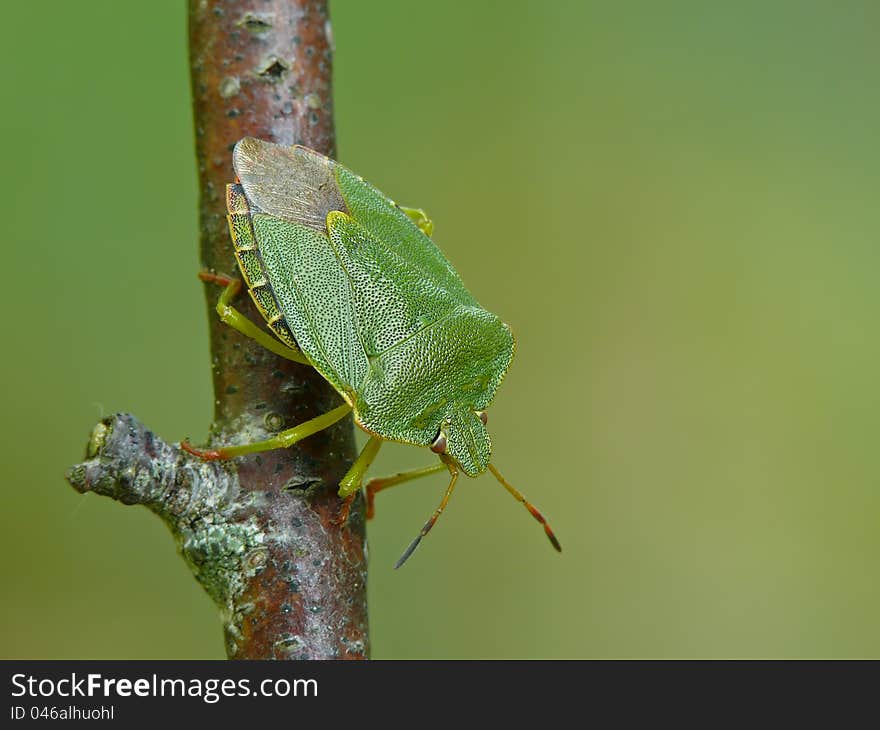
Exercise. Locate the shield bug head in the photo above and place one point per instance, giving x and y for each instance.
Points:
(464, 439)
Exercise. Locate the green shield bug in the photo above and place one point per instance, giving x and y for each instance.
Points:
(351, 284)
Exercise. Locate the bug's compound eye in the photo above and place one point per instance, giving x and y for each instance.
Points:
(438, 446)
(483, 416)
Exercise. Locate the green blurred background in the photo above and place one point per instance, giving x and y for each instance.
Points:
(674, 205)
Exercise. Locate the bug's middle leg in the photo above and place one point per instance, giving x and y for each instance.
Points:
(235, 319)
(280, 441)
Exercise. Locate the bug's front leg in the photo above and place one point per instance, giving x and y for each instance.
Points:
(351, 482)
(235, 319)
(420, 218)
(281, 441)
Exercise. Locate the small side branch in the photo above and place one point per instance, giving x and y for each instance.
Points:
(231, 544)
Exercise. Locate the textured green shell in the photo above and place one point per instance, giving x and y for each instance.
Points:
(337, 269)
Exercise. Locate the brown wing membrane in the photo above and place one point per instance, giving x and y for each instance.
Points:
(292, 183)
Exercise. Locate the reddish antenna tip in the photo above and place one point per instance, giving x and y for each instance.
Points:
(533, 511)
(553, 541)
(547, 529)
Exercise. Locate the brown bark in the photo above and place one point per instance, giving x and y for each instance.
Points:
(259, 532)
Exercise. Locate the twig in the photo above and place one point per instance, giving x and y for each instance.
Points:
(258, 533)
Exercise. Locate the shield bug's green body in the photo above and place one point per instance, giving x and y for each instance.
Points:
(352, 284)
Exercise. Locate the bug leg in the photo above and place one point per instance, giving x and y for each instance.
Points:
(235, 319)
(377, 485)
(344, 510)
(280, 441)
(351, 482)
(533, 511)
(453, 470)
(420, 218)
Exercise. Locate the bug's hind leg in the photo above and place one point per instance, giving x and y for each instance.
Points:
(420, 218)
(280, 441)
(235, 319)
(377, 485)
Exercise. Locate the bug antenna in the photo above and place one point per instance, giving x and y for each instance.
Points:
(430, 523)
(533, 511)
(410, 550)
